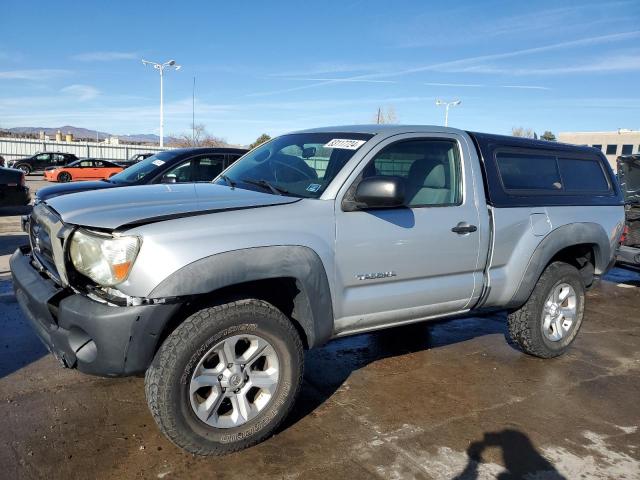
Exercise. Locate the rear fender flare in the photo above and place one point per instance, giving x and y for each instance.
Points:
(557, 240)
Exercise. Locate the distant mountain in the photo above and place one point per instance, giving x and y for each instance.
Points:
(84, 133)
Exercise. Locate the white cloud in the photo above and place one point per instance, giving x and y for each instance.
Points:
(81, 92)
(352, 80)
(34, 74)
(619, 63)
(479, 85)
(468, 64)
(104, 56)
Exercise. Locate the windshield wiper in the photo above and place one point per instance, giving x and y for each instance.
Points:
(266, 185)
(228, 181)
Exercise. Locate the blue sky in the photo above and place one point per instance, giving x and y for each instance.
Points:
(279, 66)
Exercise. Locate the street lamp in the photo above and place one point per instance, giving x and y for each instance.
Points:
(160, 67)
(455, 103)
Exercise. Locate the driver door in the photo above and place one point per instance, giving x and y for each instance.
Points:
(403, 264)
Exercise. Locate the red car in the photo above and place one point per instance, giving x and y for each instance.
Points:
(82, 170)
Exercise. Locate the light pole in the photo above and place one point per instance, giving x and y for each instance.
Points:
(160, 67)
(455, 103)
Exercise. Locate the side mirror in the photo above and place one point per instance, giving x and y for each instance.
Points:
(308, 152)
(381, 192)
(169, 178)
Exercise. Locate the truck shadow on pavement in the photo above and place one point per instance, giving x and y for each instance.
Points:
(520, 458)
(13, 211)
(327, 368)
(9, 243)
(19, 345)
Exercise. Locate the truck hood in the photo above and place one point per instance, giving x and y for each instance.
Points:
(126, 207)
(629, 178)
(46, 193)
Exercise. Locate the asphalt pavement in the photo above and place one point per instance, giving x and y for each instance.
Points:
(443, 400)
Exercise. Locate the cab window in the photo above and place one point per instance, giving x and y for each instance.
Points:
(430, 168)
(182, 172)
(208, 168)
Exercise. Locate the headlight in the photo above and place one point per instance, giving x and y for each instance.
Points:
(105, 259)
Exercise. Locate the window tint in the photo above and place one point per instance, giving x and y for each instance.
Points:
(43, 157)
(599, 147)
(431, 169)
(209, 167)
(582, 175)
(86, 163)
(627, 149)
(611, 149)
(98, 164)
(522, 171)
(182, 172)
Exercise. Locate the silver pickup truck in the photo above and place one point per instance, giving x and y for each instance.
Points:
(215, 290)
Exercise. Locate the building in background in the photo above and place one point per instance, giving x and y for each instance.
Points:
(612, 144)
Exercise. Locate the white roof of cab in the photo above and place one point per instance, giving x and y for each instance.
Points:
(384, 129)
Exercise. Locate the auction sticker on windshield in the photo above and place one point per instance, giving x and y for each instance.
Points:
(345, 143)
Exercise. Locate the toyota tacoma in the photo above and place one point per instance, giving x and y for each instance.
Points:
(214, 291)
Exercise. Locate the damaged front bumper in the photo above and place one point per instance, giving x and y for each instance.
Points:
(94, 337)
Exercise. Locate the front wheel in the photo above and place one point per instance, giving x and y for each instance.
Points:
(64, 177)
(226, 377)
(548, 323)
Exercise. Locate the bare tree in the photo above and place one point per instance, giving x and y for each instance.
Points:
(385, 115)
(198, 137)
(523, 132)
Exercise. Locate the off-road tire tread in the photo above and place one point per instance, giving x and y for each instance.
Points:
(180, 339)
(522, 322)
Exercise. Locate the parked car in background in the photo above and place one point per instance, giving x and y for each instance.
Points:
(170, 166)
(138, 157)
(40, 161)
(13, 188)
(629, 178)
(3, 162)
(215, 289)
(86, 169)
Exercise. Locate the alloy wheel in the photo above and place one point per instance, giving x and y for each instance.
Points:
(559, 313)
(234, 381)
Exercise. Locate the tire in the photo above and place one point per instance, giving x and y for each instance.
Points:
(64, 177)
(527, 324)
(169, 387)
(26, 169)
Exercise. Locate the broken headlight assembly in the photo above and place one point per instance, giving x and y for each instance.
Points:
(105, 259)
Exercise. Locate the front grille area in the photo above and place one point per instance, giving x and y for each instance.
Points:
(44, 227)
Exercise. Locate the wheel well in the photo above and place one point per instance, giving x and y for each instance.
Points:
(283, 293)
(582, 256)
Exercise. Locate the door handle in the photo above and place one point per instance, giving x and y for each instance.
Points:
(463, 227)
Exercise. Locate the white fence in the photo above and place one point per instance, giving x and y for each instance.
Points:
(14, 148)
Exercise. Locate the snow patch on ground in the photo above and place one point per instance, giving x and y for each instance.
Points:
(605, 462)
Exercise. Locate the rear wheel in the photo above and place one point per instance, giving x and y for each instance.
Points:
(226, 377)
(64, 177)
(548, 323)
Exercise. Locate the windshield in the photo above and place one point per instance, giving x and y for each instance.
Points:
(140, 170)
(299, 164)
